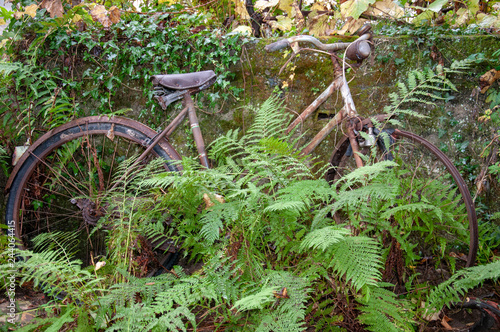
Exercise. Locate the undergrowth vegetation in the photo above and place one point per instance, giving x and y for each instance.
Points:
(259, 242)
(258, 250)
(53, 65)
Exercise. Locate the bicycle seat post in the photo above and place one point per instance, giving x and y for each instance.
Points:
(195, 128)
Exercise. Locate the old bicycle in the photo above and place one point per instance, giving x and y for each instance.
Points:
(62, 179)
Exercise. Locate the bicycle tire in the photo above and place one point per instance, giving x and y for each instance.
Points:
(40, 189)
(422, 159)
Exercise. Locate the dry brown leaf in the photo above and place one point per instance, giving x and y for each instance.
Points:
(429, 315)
(240, 9)
(208, 201)
(445, 324)
(385, 8)
(487, 79)
(31, 10)
(114, 14)
(54, 7)
(100, 14)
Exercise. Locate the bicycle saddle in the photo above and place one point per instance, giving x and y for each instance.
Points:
(202, 80)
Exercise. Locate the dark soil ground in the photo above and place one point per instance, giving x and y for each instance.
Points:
(472, 315)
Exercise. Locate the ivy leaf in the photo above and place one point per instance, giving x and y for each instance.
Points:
(109, 84)
(437, 5)
(355, 8)
(286, 6)
(283, 23)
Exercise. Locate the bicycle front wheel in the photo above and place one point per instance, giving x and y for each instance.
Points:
(62, 181)
(425, 175)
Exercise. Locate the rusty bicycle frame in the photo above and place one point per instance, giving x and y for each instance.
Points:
(358, 51)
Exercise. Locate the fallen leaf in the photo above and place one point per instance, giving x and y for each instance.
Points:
(99, 265)
(286, 6)
(282, 294)
(244, 30)
(437, 5)
(111, 132)
(445, 324)
(487, 79)
(350, 26)
(208, 201)
(283, 23)
(31, 10)
(263, 4)
(354, 8)
(386, 8)
(240, 9)
(114, 14)
(100, 14)
(429, 314)
(54, 7)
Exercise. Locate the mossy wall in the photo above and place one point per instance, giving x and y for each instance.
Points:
(370, 85)
(452, 125)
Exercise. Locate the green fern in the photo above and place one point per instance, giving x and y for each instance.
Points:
(356, 258)
(257, 300)
(6, 68)
(56, 271)
(287, 292)
(382, 311)
(35, 92)
(453, 289)
(424, 87)
(166, 302)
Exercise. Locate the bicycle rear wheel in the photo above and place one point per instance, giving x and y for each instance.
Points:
(424, 174)
(62, 181)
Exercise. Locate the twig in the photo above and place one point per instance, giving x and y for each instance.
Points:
(487, 146)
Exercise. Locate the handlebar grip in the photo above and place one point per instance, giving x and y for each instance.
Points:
(277, 46)
(359, 50)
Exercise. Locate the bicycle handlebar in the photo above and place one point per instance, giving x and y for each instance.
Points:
(277, 46)
(362, 50)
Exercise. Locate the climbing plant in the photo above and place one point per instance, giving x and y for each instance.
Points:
(84, 54)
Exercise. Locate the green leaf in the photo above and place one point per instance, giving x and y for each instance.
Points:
(437, 5)
(355, 8)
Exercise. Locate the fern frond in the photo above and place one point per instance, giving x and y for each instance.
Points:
(56, 275)
(366, 173)
(382, 311)
(289, 294)
(213, 219)
(324, 238)
(453, 289)
(256, 301)
(424, 86)
(356, 258)
(8, 67)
